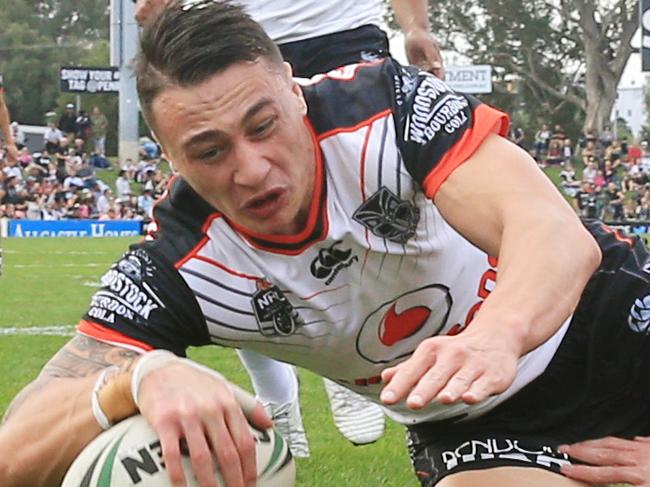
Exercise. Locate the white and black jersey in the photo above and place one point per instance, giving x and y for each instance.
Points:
(375, 271)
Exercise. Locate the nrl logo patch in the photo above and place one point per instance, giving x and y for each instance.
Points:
(274, 313)
(388, 217)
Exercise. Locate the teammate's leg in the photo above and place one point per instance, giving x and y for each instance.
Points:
(357, 419)
(276, 386)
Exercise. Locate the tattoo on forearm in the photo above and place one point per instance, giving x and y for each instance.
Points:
(80, 357)
(83, 356)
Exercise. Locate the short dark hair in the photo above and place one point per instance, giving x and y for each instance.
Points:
(191, 40)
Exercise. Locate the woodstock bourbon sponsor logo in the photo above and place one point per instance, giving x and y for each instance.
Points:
(331, 261)
(274, 313)
(388, 217)
(126, 293)
(435, 109)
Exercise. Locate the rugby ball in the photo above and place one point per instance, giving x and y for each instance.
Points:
(129, 454)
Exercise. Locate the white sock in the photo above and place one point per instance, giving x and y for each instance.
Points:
(273, 381)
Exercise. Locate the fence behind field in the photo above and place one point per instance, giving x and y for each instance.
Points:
(70, 228)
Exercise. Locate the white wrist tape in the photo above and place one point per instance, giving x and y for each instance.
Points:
(159, 358)
(98, 412)
(149, 361)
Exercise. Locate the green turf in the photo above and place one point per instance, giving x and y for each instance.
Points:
(48, 282)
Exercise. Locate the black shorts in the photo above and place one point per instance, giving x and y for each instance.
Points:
(324, 53)
(596, 385)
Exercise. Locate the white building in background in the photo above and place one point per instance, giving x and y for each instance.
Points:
(630, 101)
(630, 106)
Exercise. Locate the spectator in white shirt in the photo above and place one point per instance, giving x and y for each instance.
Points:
(122, 186)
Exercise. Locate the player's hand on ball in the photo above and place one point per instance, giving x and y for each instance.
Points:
(612, 460)
(468, 367)
(183, 403)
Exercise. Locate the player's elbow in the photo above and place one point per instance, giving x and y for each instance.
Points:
(584, 250)
(594, 254)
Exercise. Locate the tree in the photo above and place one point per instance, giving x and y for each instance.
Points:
(560, 53)
(39, 37)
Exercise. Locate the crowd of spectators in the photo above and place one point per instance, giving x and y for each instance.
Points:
(603, 176)
(64, 179)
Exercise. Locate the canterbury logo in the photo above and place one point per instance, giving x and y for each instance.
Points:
(331, 261)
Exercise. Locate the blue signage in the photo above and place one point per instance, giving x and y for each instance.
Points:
(74, 228)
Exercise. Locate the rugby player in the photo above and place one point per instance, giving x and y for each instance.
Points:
(370, 225)
(315, 37)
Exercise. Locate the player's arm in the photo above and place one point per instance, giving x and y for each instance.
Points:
(611, 460)
(421, 47)
(500, 201)
(50, 420)
(180, 399)
(5, 129)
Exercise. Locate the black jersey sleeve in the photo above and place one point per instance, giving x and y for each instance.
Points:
(144, 303)
(437, 128)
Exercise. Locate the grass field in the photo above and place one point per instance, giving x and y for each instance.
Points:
(46, 283)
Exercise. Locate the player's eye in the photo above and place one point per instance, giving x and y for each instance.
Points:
(264, 127)
(210, 154)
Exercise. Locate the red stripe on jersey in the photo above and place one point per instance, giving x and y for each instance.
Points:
(618, 235)
(106, 335)
(318, 293)
(362, 163)
(486, 120)
(192, 253)
(362, 171)
(224, 268)
(354, 128)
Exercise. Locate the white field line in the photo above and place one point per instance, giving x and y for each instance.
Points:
(56, 252)
(57, 330)
(36, 266)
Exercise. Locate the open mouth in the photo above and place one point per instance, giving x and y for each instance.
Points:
(267, 198)
(265, 204)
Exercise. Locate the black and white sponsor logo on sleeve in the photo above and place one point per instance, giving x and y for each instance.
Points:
(639, 317)
(435, 109)
(126, 294)
(404, 82)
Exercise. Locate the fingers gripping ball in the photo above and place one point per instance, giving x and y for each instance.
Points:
(129, 454)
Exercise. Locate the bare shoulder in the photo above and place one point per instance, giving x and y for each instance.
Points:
(83, 356)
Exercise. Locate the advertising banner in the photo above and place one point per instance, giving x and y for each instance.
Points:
(474, 79)
(78, 79)
(74, 228)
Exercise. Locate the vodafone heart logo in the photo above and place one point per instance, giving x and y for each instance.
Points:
(395, 329)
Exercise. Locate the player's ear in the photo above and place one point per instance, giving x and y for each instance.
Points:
(288, 69)
(297, 91)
